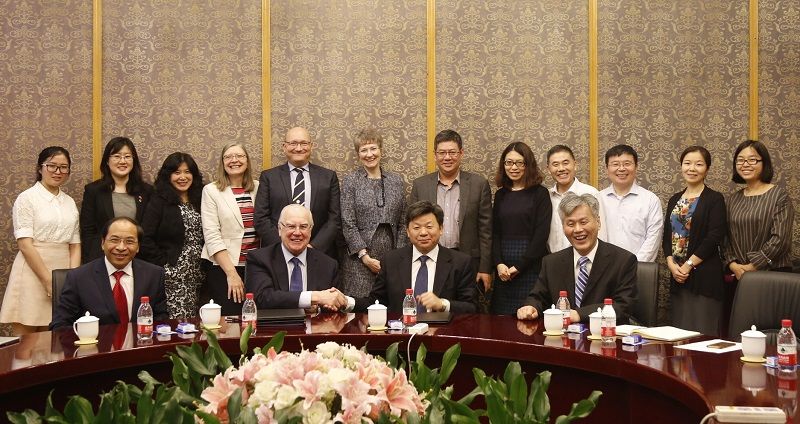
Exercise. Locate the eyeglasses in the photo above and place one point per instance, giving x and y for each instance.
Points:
(749, 161)
(296, 144)
(232, 156)
(119, 158)
(447, 153)
(51, 167)
(295, 227)
(626, 164)
(510, 163)
(127, 241)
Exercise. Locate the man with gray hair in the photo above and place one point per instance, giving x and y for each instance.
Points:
(590, 270)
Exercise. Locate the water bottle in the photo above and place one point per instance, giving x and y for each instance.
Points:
(787, 347)
(249, 312)
(409, 308)
(608, 322)
(144, 319)
(563, 304)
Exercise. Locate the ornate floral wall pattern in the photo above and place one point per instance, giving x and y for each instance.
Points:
(45, 99)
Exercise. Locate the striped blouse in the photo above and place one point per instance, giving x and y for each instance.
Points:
(760, 229)
(250, 239)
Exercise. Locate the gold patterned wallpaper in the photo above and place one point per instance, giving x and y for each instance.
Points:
(187, 75)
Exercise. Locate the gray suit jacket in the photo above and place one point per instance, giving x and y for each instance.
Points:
(474, 215)
(361, 214)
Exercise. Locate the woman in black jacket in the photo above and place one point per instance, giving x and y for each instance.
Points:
(694, 228)
(173, 232)
(121, 191)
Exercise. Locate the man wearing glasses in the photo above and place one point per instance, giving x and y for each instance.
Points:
(288, 274)
(299, 182)
(633, 214)
(467, 203)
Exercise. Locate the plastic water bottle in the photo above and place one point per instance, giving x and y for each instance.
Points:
(144, 319)
(409, 308)
(787, 347)
(249, 312)
(608, 322)
(563, 304)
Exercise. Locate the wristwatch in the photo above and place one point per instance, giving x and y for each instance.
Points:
(362, 253)
(690, 263)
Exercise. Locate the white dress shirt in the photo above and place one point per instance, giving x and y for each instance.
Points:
(305, 295)
(557, 240)
(126, 281)
(306, 180)
(433, 257)
(634, 221)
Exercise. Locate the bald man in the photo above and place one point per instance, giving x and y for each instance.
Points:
(299, 182)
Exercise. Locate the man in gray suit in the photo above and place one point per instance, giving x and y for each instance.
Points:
(467, 203)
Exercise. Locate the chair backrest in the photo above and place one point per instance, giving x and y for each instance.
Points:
(764, 298)
(645, 309)
(59, 275)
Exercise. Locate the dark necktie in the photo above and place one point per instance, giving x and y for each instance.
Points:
(581, 280)
(421, 283)
(296, 280)
(299, 190)
(120, 299)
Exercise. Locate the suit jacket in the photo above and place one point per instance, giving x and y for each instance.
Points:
(454, 280)
(361, 214)
(275, 192)
(88, 288)
(708, 230)
(97, 209)
(613, 275)
(163, 232)
(474, 215)
(267, 277)
(223, 227)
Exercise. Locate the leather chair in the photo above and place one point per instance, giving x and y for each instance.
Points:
(59, 275)
(645, 309)
(764, 298)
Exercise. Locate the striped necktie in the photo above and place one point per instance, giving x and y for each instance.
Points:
(421, 282)
(296, 280)
(299, 189)
(581, 280)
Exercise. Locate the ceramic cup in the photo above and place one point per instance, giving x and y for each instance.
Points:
(754, 343)
(595, 320)
(754, 377)
(553, 320)
(210, 313)
(376, 315)
(86, 328)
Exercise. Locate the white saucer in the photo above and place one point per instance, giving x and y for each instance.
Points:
(85, 343)
(593, 337)
(753, 360)
(212, 326)
(554, 333)
(381, 328)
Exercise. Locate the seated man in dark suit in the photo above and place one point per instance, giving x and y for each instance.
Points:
(443, 279)
(590, 270)
(290, 274)
(111, 287)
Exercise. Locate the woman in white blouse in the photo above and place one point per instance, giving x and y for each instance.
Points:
(46, 229)
(227, 213)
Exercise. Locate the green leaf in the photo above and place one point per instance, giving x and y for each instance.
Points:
(180, 372)
(449, 361)
(207, 418)
(275, 342)
(244, 340)
(392, 355)
(145, 378)
(49, 410)
(470, 397)
(518, 394)
(539, 402)
(220, 356)
(105, 412)
(78, 410)
(247, 416)
(421, 353)
(194, 359)
(582, 408)
(235, 404)
(28, 416)
(144, 407)
(513, 369)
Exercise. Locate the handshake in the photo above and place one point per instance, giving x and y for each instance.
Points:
(331, 299)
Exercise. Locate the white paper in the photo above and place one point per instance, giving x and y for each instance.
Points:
(703, 346)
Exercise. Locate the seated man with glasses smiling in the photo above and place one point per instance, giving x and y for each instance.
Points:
(111, 287)
(302, 183)
(288, 274)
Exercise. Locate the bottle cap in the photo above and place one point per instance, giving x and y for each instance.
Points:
(607, 301)
(249, 296)
(409, 291)
(786, 323)
(562, 293)
(145, 299)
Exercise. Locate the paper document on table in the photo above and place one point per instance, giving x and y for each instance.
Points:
(712, 346)
(8, 340)
(627, 330)
(666, 333)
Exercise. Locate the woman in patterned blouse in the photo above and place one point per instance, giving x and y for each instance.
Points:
(228, 230)
(694, 228)
(173, 234)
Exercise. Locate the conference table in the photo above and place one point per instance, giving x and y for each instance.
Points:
(654, 383)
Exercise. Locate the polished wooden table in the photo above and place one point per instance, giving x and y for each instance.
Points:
(652, 383)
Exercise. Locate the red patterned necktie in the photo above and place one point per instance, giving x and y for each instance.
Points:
(120, 299)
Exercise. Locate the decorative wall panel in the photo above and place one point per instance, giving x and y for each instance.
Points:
(45, 99)
(340, 66)
(513, 71)
(182, 76)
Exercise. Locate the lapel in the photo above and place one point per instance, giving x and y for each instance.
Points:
(564, 263)
(139, 289)
(443, 265)
(316, 186)
(279, 268)
(599, 266)
(464, 198)
(103, 283)
(286, 182)
(404, 272)
(107, 204)
(230, 200)
(430, 188)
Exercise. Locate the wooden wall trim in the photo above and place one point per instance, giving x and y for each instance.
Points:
(430, 162)
(753, 127)
(97, 86)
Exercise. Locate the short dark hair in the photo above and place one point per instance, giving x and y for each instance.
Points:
(171, 164)
(533, 175)
(448, 135)
(139, 230)
(622, 149)
(558, 148)
(699, 149)
(135, 183)
(424, 207)
(48, 153)
(767, 171)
